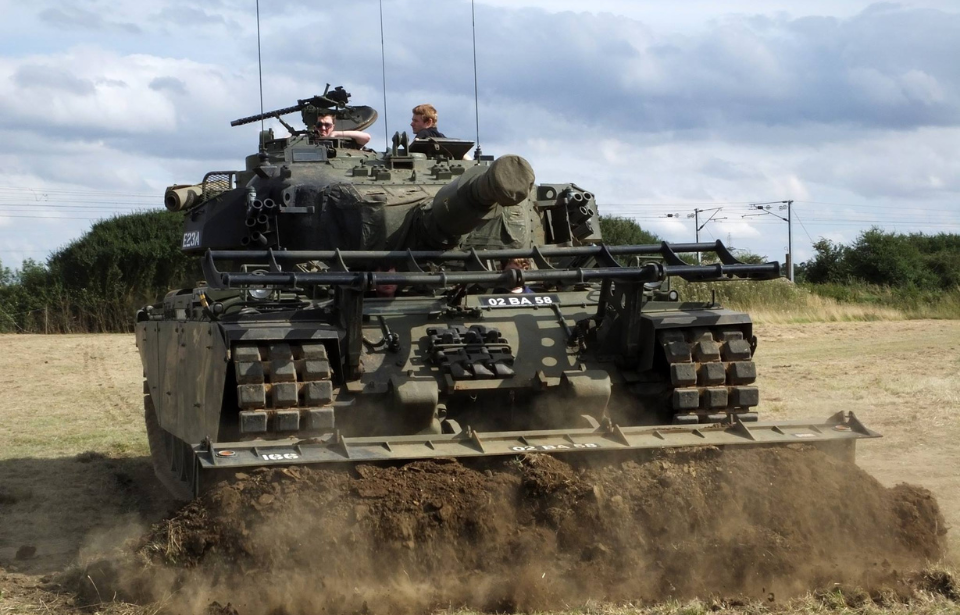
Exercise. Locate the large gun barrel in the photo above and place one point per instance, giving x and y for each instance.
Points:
(462, 205)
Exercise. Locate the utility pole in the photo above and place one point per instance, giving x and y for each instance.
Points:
(790, 237)
(699, 227)
(764, 208)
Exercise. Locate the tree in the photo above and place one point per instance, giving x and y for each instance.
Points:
(744, 256)
(916, 261)
(97, 282)
(6, 276)
(619, 231)
(828, 265)
(888, 259)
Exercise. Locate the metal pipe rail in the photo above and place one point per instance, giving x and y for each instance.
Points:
(475, 270)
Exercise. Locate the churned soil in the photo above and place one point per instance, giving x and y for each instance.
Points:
(529, 533)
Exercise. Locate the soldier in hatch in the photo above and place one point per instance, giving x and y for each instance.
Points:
(325, 124)
(521, 264)
(424, 123)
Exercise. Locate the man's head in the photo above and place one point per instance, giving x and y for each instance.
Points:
(424, 116)
(325, 124)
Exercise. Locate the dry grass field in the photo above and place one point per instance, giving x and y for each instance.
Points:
(74, 475)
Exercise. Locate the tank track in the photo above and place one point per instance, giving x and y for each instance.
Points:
(284, 387)
(711, 373)
(172, 458)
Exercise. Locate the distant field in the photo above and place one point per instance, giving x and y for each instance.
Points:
(74, 472)
(781, 302)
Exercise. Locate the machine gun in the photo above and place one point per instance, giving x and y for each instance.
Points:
(332, 101)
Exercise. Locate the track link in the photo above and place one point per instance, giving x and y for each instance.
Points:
(284, 387)
(712, 373)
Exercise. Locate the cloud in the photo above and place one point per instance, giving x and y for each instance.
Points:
(131, 103)
(753, 101)
(615, 74)
(723, 169)
(76, 18)
(193, 17)
(39, 77)
(919, 165)
(171, 84)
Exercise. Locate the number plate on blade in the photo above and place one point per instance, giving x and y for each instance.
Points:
(518, 300)
(554, 447)
(279, 456)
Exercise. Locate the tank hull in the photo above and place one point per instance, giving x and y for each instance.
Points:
(216, 387)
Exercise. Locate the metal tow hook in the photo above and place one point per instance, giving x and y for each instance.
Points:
(392, 339)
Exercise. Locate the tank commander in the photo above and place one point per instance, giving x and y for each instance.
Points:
(424, 123)
(325, 124)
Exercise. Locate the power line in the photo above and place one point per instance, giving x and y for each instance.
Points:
(827, 221)
(50, 217)
(870, 207)
(881, 219)
(77, 192)
(93, 203)
(804, 227)
(881, 214)
(18, 206)
(680, 204)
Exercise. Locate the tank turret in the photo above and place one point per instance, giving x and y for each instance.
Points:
(304, 207)
(307, 192)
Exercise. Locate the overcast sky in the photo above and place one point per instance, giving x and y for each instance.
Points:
(848, 108)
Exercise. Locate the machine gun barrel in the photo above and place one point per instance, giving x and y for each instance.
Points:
(335, 99)
(269, 114)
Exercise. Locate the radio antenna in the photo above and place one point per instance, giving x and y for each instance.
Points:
(260, 74)
(383, 73)
(476, 90)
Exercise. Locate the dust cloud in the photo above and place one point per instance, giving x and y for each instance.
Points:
(528, 533)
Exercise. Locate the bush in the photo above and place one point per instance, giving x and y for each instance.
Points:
(97, 282)
(922, 262)
(618, 231)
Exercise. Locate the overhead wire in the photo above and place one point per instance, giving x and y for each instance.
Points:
(65, 191)
(50, 217)
(802, 226)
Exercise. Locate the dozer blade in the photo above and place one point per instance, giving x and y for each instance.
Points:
(840, 432)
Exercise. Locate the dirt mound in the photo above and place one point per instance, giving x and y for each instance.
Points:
(536, 532)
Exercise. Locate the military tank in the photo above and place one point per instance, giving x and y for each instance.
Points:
(361, 306)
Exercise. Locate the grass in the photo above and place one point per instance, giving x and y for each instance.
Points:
(840, 601)
(782, 302)
(85, 491)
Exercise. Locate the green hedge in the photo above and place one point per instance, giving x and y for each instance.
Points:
(915, 261)
(97, 282)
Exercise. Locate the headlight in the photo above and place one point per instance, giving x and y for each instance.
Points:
(258, 292)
